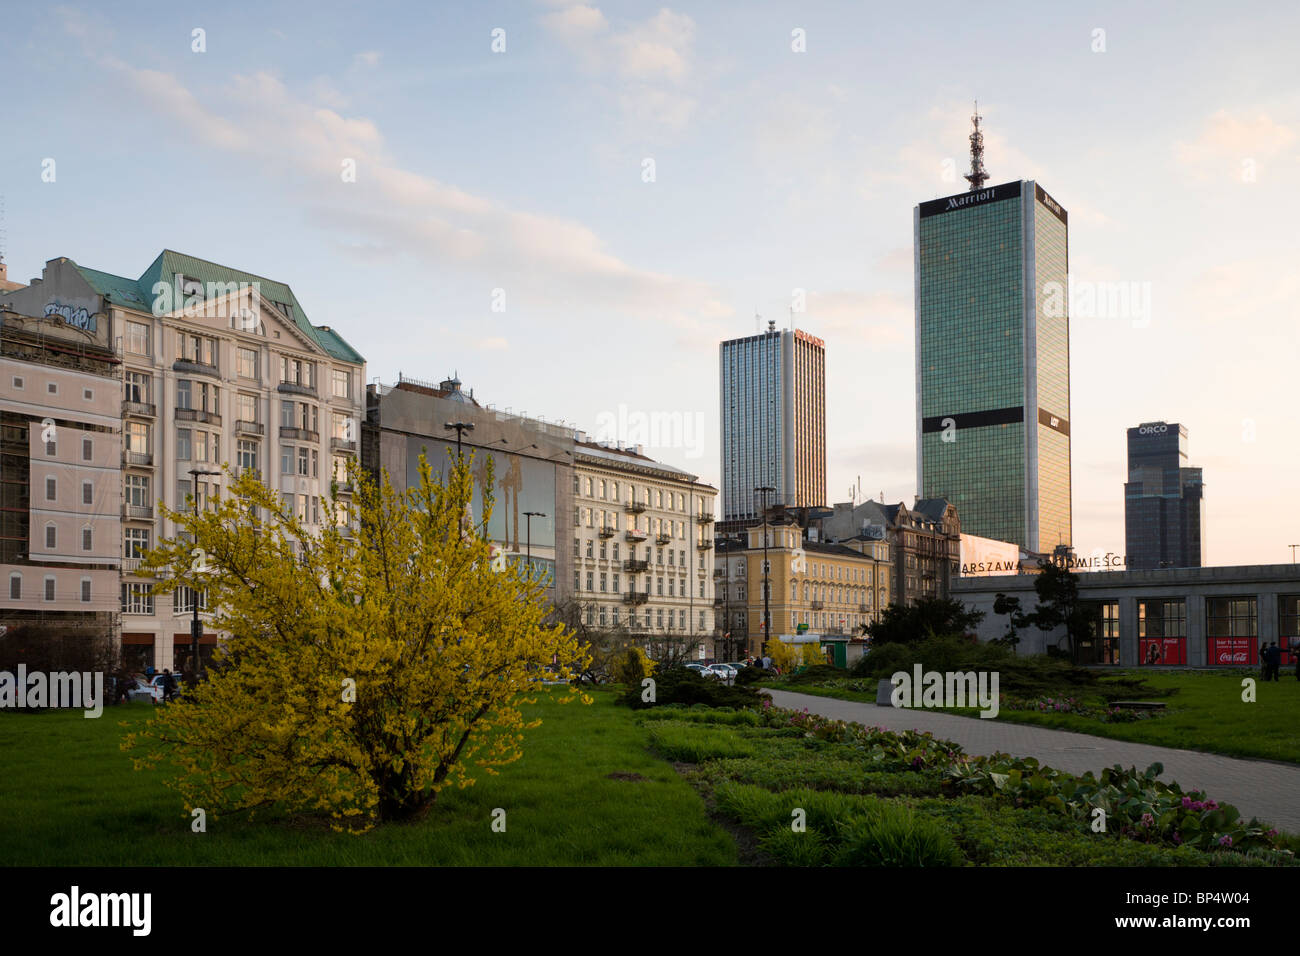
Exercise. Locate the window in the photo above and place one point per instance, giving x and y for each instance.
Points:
(18, 381)
(135, 542)
(137, 598)
(200, 445)
(183, 444)
(588, 486)
(184, 393)
(246, 408)
(137, 491)
(247, 456)
(87, 493)
(589, 549)
(137, 338)
(137, 437)
(615, 586)
(49, 588)
(85, 590)
(342, 427)
(51, 448)
(304, 461)
(51, 537)
(52, 388)
(87, 449)
(51, 489)
(286, 459)
(591, 581)
(196, 348)
(297, 372)
(603, 581)
(208, 397)
(246, 362)
(15, 587)
(341, 383)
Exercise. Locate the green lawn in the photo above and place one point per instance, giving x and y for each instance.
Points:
(1205, 713)
(68, 796)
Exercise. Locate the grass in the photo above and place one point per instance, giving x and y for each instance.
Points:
(1204, 711)
(70, 798)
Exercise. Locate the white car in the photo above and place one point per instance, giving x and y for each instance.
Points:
(723, 672)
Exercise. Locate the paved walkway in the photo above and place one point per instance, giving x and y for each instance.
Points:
(1270, 791)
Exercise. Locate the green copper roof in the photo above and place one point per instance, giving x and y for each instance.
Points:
(138, 293)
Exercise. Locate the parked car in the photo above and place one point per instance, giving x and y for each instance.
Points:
(722, 672)
(697, 668)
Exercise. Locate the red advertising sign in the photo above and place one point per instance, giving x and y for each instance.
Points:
(1167, 650)
(1237, 651)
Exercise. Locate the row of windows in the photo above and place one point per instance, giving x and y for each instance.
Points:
(87, 449)
(139, 599)
(49, 588)
(52, 388)
(602, 616)
(52, 538)
(609, 583)
(609, 491)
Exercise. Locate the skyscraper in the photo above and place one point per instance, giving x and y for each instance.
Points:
(993, 358)
(773, 411)
(1164, 500)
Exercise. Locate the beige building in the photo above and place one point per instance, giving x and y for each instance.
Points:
(60, 488)
(642, 544)
(216, 367)
(833, 588)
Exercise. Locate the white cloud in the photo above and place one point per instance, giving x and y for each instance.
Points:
(1229, 145)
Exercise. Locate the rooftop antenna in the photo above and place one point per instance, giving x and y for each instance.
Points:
(757, 319)
(978, 175)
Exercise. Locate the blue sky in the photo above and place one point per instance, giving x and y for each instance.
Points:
(1172, 139)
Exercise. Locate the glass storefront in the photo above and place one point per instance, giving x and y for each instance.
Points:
(1231, 631)
(1162, 631)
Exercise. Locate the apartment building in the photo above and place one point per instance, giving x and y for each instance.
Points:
(216, 367)
(812, 586)
(60, 491)
(925, 541)
(642, 544)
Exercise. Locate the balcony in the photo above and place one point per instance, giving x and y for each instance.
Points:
(635, 507)
(636, 566)
(636, 534)
(130, 564)
(663, 538)
(816, 605)
(863, 609)
(719, 601)
(299, 434)
(342, 444)
(719, 572)
(705, 545)
(243, 427)
(636, 597)
(197, 415)
(137, 511)
(293, 388)
(704, 519)
(137, 457)
(196, 368)
(143, 409)
(608, 531)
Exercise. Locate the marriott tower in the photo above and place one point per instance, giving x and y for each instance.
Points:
(993, 358)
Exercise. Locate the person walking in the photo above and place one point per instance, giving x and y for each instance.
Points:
(1274, 661)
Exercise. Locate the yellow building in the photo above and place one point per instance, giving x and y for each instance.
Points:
(832, 588)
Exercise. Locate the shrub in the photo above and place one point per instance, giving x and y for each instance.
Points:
(630, 667)
(896, 836)
(680, 685)
(695, 744)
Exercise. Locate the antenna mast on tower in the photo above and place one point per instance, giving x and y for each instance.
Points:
(978, 175)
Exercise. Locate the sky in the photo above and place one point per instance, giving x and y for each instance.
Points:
(571, 204)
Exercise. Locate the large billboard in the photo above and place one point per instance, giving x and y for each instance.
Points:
(981, 557)
(519, 485)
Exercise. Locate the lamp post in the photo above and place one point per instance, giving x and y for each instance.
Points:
(196, 626)
(461, 428)
(765, 490)
(1293, 547)
(528, 524)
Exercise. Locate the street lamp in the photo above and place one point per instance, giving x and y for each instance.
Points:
(528, 523)
(1293, 547)
(196, 626)
(767, 615)
(461, 428)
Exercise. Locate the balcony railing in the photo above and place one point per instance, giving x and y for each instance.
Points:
(816, 605)
(704, 519)
(298, 434)
(293, 388)
(635, 507)
(663, 538)
(608, 531)
(137, 511)
(342, 444)
(145, 409)
(243, 427)
(137, 457)
(719, 600)
(704, 545)
(195, 368)
(863, 609)
(130, 564)
(197, 415)
(635, 597)
(636, 566)
(636, 534)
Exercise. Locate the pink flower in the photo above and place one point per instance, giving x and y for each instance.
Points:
(1225, 840)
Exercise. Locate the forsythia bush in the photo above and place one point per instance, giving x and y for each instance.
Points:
(369, 665)
(789, 656)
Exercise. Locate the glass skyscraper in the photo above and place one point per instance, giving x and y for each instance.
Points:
(1164, 500)
(993, 361)
(773, 412)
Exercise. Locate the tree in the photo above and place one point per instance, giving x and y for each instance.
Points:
(1059, 605)
(1016, 619)
(786, 656)
(368, 666)
(905, 623)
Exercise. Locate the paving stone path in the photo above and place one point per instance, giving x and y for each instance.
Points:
(1260, 788)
